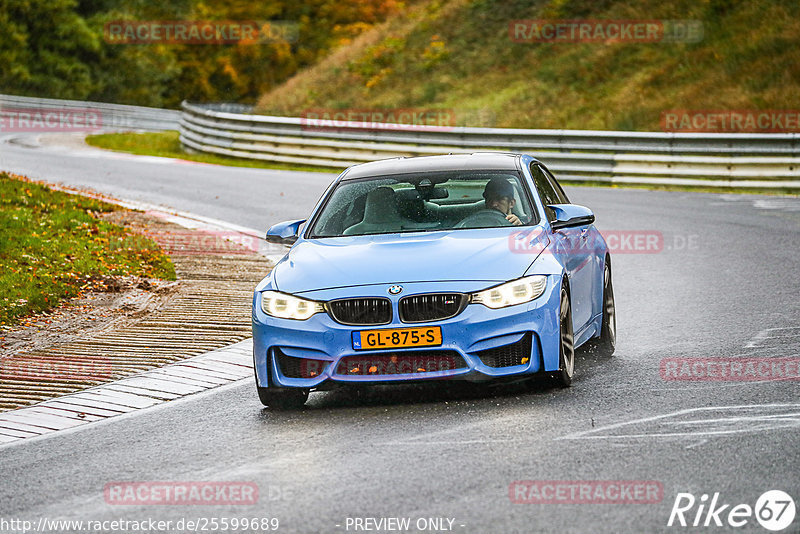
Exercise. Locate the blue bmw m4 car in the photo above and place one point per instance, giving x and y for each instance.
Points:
(441, 267)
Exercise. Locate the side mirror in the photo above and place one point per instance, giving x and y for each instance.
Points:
(284, 233)
(570, 215)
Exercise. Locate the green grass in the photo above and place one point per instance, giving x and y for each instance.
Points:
(166, 144)
(53, 246)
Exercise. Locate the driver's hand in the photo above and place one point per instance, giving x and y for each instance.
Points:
(513, 219)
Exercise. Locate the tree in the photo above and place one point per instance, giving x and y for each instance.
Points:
(46, 49)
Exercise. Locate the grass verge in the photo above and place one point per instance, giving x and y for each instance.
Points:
(53, 246)
(167, 145)
(464, 57)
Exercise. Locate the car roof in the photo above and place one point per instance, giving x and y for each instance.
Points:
(450, 162)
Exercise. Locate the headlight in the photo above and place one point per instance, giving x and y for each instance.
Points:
(515, 292)
(288, 306)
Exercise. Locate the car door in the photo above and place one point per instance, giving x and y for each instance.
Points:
(574, 245)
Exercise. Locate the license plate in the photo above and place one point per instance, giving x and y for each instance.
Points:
(395, 338)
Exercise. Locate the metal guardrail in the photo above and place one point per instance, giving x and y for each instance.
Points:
(109, 116)
(711, 160)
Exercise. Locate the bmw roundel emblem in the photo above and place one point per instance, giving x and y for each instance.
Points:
(395, 290)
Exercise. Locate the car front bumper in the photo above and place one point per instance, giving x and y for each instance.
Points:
(477, 344)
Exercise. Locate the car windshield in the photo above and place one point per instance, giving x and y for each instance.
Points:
(451, 200)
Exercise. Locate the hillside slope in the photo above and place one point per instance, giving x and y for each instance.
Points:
(458, 55)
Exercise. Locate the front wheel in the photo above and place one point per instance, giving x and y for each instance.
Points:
(282, 398)
(566, 360)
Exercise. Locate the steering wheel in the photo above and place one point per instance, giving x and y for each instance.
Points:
(485, 218)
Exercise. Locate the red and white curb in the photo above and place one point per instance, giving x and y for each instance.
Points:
(144, 390)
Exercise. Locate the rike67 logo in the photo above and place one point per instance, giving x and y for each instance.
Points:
(774, 510)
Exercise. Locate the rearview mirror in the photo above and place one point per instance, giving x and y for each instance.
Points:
(284, 233)
(439, 193)
(570, 215)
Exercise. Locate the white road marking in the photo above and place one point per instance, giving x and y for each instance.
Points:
(734, 420)
(782, 203)
(757, 339)
(772, 333)
(779, 203)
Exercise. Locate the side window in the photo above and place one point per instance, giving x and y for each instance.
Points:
(546, 190)
(562, 196)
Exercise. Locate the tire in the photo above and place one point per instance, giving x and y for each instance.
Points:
(566, 352)
(607, 342)
(282, 398)
(279, 398)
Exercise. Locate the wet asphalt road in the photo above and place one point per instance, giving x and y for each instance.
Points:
(723, 284)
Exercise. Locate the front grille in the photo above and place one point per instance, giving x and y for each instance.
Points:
(507, 355)
(416, 362)
(361, 311)
(431, 307)
(292, 367)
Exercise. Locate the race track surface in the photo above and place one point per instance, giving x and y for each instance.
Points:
(722, 283)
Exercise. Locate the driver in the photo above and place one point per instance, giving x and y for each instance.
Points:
(499, 195)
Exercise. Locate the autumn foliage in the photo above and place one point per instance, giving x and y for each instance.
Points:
(57, 48)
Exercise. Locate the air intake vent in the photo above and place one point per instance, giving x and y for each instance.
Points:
(431, 307)
(292, 367)
(507, 355)
(401, 363)
(361, 311)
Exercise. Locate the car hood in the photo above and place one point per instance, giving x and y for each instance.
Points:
(482, 254)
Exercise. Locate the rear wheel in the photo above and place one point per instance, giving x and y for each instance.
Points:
(566, 360)
(606, 343)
